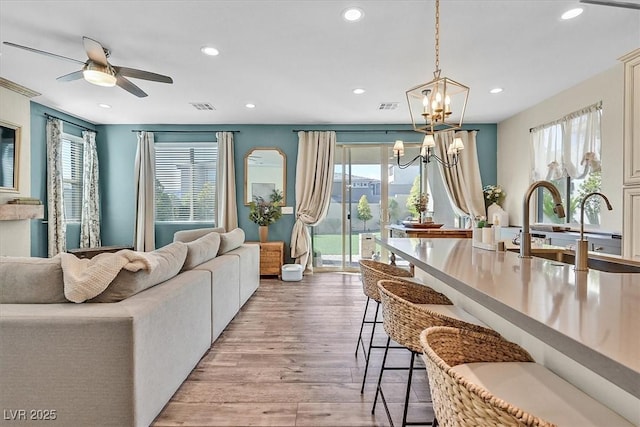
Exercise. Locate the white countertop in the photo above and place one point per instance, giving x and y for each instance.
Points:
(593, 317)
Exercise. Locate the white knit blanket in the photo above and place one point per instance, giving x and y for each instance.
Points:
(87, 278)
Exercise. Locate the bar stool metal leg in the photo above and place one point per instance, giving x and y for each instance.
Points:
(406, 398)
(371, 346)
(384, 361)
(364, 317)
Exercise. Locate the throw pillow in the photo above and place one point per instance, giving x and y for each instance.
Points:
(231, 240)
(201, 250)
(191, 235)
(167, 262)
(26, 280)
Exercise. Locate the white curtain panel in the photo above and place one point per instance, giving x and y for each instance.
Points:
(462, 182)
(570, 146)
(582, 145)
(57, 228)
(314, 178)
(546, 152)
(227, 207)
(144, 233)
(90, 217)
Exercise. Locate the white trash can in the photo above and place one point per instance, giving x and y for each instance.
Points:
(367, 245)
(292, 272)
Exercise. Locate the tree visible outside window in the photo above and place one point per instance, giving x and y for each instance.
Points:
(364, 211)
(394, 210)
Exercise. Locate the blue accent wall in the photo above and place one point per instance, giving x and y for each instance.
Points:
(117, 150)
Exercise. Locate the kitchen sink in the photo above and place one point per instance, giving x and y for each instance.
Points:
(606, 265)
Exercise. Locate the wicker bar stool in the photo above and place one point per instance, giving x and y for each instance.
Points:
(371, 273)
(468, 371)
(407, 309)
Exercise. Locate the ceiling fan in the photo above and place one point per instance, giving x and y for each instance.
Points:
(98, 71)
(613, 3)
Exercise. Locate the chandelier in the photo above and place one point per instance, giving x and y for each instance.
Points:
(426, 152)
(435, 107)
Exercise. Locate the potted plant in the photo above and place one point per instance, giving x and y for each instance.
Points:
(264, 212)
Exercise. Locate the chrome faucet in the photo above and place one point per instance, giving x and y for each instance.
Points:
(525, 240)
(582, 245)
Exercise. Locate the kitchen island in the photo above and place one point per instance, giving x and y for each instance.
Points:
(584, 326)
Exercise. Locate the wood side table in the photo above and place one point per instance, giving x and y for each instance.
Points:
(271, 258)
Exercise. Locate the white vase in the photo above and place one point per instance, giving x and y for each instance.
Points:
(497, 216)
(488, 235)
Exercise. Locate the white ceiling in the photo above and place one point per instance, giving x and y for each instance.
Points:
(299, 61)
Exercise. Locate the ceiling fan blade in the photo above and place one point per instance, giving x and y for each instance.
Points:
(145, 75)
(129, 87)
(71, 76)
(613, 3)
(95, 51)
(42, 52)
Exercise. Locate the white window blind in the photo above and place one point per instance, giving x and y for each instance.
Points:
(72, 151)
(186, 181)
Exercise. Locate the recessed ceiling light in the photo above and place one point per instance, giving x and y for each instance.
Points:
(104, 105)
(250, 105)
(572, 13)
(209, 50)
(353, 14)
(359, 91)
(496, 90)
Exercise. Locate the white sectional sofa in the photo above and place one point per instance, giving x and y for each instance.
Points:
(115, 363)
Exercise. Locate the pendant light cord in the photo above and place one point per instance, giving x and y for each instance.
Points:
(436, 73)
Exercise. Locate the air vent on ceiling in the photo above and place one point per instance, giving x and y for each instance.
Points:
(203, 106)
(388, 106)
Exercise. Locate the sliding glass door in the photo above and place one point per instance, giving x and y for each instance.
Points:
(369, 192)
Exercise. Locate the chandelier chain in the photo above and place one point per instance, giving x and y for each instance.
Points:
(437, 36)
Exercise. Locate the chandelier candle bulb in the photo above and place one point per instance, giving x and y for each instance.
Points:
(429, 141)
(458, 144)
(398, 148)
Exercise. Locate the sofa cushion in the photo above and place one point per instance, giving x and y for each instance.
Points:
(168, 262)
(202, 250)
(191, 235)
(27, 280)
(231, 240)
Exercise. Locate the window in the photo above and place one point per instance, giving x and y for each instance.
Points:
(186, 181)
(567, 153)
(72, 152)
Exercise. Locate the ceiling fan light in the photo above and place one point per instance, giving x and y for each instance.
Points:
(99, 75)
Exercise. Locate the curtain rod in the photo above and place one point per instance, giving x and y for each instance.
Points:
(370, 130)
(71, 123)
(597, 106)
(183, 131)
(355, 131)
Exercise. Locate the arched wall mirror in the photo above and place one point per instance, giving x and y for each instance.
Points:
(265, 170)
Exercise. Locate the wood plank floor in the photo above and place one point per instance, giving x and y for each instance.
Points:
(287, 359)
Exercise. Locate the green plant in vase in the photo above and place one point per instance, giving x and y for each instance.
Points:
(264, 212)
